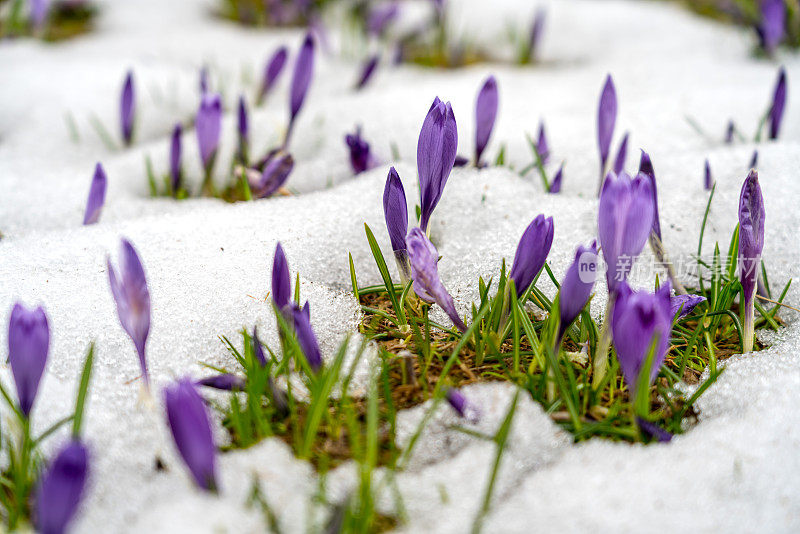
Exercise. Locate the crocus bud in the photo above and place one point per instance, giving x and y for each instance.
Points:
(129, 289)
(361, 159)
(424, 258)
(684, 304)
(97, 196)
(771, 27)
(204, 85)
(624, 220)
(606, 119)
(754, 160)
(751, 243)
(367, 71)
(380, 17)
(301, 80)
(301, 318)
(576, 287)
(281, 282)
(729, 131)
(778, 103)
(40, 9)
(622, 154)
(28, 344)
(532, 251)
(436, 154)
(208, 124)
(258, 350)
(485, 115)
(638, 318)
(272, 70)
(708, 181)
(60, 489)
(646, 169)
(127, 108)
(536, 33)
(175, 172)
(223, 382)
(242, 127)
(555, 185)
(277, 168)
(191, 430)
(395, 212)
(463, 407)
(542, 147)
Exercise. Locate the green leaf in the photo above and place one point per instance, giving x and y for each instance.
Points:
(83, 389)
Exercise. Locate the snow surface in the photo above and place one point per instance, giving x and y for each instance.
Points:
(208, 263)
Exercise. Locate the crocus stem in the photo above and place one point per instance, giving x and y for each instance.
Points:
(603, 344)
(208, 182)
(749, 321)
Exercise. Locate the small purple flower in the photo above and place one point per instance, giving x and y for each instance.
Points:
(277, 168)
(436, 154)
(463, 407)
(708, 181)
(242, 126)
(97, 196)
(624, 220)
(646, 169)
(191, 430)
(361, 159)
(223, 382)
(537, 29)
(367, 71)
(771, 27)
(638, 318)
(127, 108)
(60, 489)
(532, 251)
(485, 115)
(272, 70)
(576, 287)
(380, 17)
(751, 243)
(301, 80)
(754, 160)
(606, 119)
(428, 286)
(40, 10)
(653, 431)
(208, 124)
(258, 350)
(684, 304)
(778, 103)
(395, 212)
(175, 150)
(542, 148)
(555, 185)
(204, 85)
(281, 281)
(622, 154)
(28, 345)
(729, 131)
(301, 318)
(129, 289)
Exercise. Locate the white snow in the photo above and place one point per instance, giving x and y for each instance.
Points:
(208, 263)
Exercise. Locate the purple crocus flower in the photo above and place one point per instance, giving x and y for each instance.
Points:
(223, 382)
(175, 150)
(129, 289)
(277, 168)
(361, 159)
(428, 286)
(301, 80)
(606, 120)
(208, 124)
(684, 304)
(771, 27)
(646, 169)
(555, 185)
(576, 287)
(751, 243)
(729, 131)
(395, 211)
(436, 154)
(97, 196)
(242, 127)
(653, 431)
(281, 281)
(380, 17)
(367, 71)
(638, 318)
(463, 407)
(536, 33)
(127, 108)
(624, 220)
(532, 251)
(60, 489)
(272, 70)
(542, 148)
(191, 430)
(485, 115)
(708, 181)
(40, 9)
(754, 160)
(778, 103)
(301, 318)
(622, 154)
(28, 345)
(258, 350)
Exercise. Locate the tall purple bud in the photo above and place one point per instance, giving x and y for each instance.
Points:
(646, 168)
(272, 70)
(380, 17)
(778, 104)
(361, 158)
(277, 167)
(175, 172)
(436, 154)
(485, 115)
(730, 130)
(28, 344)
(576, 287)
(127, 108)
(754, 160)
(301, 318)
(606, 120)
(622, 154)
(204, 85)
(395, 211)
(60, 489)
(708, 180)
(97, 196)
(223, 382)
(771, 27)
(624, 220)
(555, 185)
(281, 281)
(532, 251)
(242, 128)
(209, 125)
(40, 10)
(537, 28)
(301, 80)
(367, 71)
(638, 319)
(751, 243)
(542, 147)
(191, 431)
(130, 292)
(428, 286)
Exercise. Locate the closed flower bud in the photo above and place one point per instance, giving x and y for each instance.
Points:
(485, 115)
(436, 154)
(60, 489)
(28, 345)
(127, 108)
(532, 251)
(97, 196)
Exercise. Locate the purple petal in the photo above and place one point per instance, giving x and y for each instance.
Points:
(395, 210)
(537, 29)
(223, 382)
(555, 185)
(97, 196)
(380, 17)
(653, 431)
(577, 285)
(646, 169)
(28, 345)
(532, 251)
(684, 304)
(273, 70)
(277, 168)
(708, 181)
(361, 158)
(436, 154)
(606, 119)
(303, 72)
(729, 131)
(127, 108)
(463, 407)
(778, 104)
(40, 9)
(242, 125)
(485, 115)
(622, 153)
(258, 350)
(367, 71)
(542, 148)
(175, 157)
(306, 337)
(771, 28)
(60, 489)
(208, 124)
(751, 233)
(281, 282)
